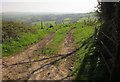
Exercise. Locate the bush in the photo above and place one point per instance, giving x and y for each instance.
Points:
(14, 30)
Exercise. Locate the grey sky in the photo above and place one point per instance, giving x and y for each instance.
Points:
(64, 6)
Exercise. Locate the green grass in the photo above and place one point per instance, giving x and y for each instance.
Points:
(55, 45)
(14, 46)
(27, 39)
(82, 19)
(67, 19)
(80, 35)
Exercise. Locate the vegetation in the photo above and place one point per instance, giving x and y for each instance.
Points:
(108, 42)
(97, 42)
(55, 45)
(14, 30)
(83, 33)
(102, 60)
(26, 35)
(0, 50)
(18, 36)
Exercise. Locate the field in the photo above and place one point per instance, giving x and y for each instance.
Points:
(51, 48)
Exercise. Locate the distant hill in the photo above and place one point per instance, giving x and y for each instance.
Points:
(34, 17)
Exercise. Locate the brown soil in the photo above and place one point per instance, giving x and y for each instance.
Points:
(29, 66)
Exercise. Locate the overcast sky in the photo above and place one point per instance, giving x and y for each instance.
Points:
(63, 6)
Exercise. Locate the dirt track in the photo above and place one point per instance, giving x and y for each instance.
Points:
(29, 66)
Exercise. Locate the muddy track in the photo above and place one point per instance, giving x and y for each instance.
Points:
(25, 56)
(28, 53)
(40, 67)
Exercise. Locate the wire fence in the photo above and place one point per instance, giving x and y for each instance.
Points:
(114, 41)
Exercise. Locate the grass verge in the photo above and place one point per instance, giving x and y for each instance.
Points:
(80, 34)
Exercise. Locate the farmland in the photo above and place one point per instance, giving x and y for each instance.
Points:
(45, 46)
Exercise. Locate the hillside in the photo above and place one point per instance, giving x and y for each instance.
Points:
(36, 47)
(34, 17)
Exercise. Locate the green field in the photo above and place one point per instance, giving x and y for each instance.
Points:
(26, 39)
(81, 33)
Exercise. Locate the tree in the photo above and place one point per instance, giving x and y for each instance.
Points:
(41, 25)
(109, 36)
